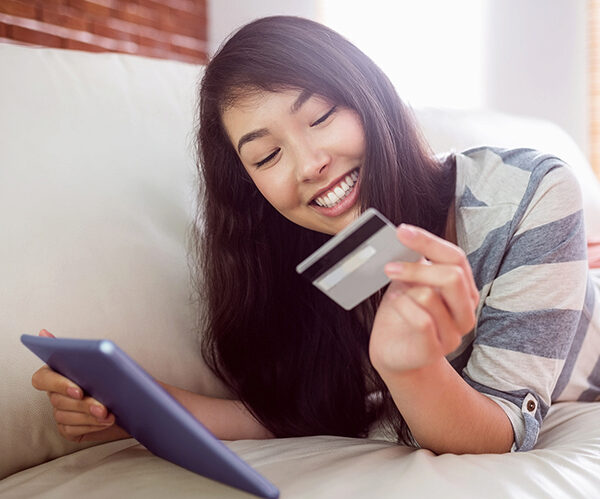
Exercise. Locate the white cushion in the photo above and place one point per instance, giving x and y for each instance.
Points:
(96, 179)
(564, 464)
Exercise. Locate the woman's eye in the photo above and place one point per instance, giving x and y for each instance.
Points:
(267, 159)
(324, 117)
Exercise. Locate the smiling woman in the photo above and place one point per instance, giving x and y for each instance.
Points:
(296, 121)
(289, 110)
(298, 150)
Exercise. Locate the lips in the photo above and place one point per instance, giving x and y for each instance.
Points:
(336, 191)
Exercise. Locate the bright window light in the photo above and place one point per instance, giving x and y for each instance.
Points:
(430, 49)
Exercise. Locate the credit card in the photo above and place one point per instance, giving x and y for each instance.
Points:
(349, 267)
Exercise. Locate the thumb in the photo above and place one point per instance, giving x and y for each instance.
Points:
(47, 334)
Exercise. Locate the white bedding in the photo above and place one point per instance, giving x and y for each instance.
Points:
(564, 464)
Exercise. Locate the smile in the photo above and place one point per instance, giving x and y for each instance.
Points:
(338, 192)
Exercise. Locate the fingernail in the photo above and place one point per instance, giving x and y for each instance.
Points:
(394, 268)
(74, 392)
(97, 411)
(407, 230)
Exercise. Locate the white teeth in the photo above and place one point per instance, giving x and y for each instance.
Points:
(339, 192)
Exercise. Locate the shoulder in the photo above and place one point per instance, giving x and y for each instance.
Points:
(523, 158)
(488, 176)
(503, 193)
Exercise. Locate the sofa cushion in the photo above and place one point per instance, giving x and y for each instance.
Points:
(564, 464)
(96, 192)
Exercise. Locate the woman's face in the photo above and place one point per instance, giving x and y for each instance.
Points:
(303, 153)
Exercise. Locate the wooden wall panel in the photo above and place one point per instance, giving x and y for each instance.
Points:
(168, 29)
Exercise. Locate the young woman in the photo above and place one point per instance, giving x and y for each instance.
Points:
(463, 352)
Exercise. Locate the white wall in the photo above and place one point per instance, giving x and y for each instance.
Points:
(535, 62)
(226, 15)
(430, 49)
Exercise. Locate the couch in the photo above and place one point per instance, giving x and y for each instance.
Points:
(97, 193)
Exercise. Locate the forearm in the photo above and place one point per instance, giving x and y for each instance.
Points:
(445, 414)
(226, 419)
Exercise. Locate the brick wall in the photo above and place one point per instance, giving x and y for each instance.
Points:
(166, 29)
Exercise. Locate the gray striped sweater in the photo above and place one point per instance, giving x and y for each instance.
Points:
(519, 219)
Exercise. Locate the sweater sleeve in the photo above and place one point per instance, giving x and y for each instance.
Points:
(533, 304)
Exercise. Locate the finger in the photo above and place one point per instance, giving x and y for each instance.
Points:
(88, 405)
(113, 432)
(429, 300)
(437, 250)
(71, 418)
(45, 333)
(76, 433)
(397, 287)
(429, 245)
(449, 279)
(47, 380)
(417, 318)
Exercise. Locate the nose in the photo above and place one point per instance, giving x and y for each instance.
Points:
(312, 162)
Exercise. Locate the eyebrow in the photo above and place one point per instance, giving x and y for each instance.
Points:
(256, 134)
(302, 98)
(262, 132)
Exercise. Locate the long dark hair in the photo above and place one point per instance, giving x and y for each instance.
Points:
(296, 359)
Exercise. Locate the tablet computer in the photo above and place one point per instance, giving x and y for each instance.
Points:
(349, 267)
(146, 410)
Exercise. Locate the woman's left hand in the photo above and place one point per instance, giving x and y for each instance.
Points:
(428, 307)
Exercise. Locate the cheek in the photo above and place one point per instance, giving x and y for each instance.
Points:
(357, 139)
(276, 191)
(350, 137)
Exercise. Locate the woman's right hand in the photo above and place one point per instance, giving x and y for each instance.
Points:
(79, 418)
